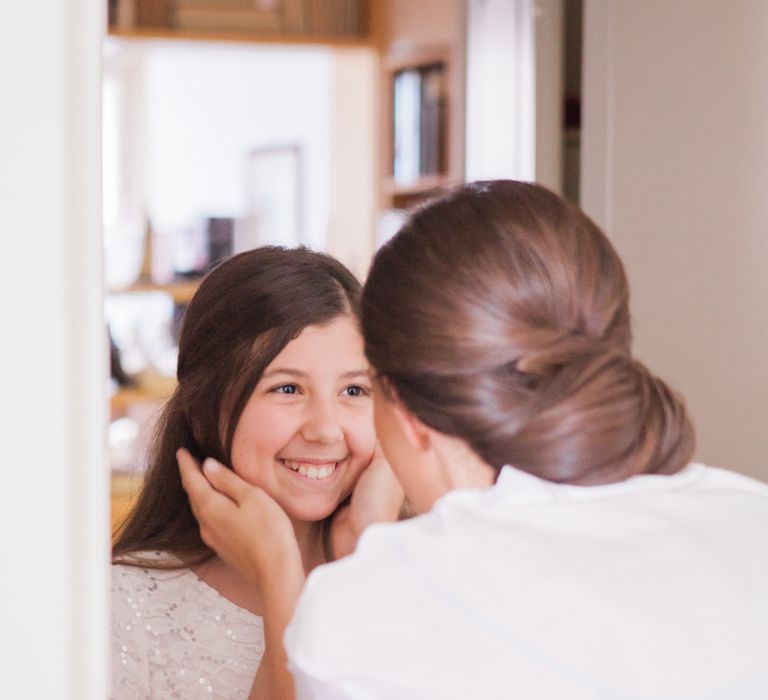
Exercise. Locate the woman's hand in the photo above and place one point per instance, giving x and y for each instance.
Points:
(252, 533)
(376, 498)
(240, 522)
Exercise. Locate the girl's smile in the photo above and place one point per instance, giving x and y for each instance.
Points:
(314, 470)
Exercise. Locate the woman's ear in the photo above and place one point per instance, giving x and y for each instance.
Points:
(394, 420)
(416, 432)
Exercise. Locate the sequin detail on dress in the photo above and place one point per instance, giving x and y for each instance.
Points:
(174, 636)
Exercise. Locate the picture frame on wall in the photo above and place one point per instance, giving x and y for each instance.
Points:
(273, 200)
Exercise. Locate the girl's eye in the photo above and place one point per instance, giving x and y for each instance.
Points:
(355, 390)
(285, 389)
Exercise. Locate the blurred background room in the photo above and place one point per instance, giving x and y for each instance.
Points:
(229, 124)
(143, 141)
(234, 123)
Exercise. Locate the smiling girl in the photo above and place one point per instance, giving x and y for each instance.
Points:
(273, 382)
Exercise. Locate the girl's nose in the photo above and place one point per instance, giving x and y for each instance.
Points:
(322, 424)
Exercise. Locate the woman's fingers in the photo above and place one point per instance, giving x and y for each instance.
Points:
(229, 511)
(226, 481)
(192, 479)
(214, 477)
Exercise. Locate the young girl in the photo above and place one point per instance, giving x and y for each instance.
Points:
(272, 380)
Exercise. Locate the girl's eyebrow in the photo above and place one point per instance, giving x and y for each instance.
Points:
(284, 370)
(303, 375)
(356, 373)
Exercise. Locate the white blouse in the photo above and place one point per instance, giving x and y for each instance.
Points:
(173, 636)
(655, 588)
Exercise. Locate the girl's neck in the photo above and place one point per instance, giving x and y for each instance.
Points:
(245, 593)
(309, 536)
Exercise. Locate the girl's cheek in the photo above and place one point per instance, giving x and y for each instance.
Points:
(369, 439)
(362, 435)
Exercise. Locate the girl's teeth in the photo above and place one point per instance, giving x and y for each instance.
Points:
(311, 472)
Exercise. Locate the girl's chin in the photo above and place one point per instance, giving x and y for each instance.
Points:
(310, 514)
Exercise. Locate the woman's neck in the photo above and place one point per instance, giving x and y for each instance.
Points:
(245, 592)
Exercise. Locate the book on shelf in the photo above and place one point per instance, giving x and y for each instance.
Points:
(294, 17)
(269, 5)
(348, 18)
(154, 13)
(327, 17)
(432, 122)
(321, 18)
(122, 14)
(227, 18)
(317, 15)
(220, 234)
(406, 126)
(419, 123)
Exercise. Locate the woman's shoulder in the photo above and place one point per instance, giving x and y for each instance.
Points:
(728, 479)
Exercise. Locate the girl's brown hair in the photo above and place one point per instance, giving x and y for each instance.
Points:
(500, 314)
(244, 313)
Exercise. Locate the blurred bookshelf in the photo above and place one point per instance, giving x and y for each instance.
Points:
(326, 22)
(417, 95)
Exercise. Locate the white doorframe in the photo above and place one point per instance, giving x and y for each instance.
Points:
(501, 90)
(514, 90)
(54, 520)
(596, 176)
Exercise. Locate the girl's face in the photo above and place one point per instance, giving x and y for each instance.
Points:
(306, 433)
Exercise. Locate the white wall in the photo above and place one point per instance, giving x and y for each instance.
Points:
(675, 165)
(501, 90)
(353, 160)
(514, 90)
(207, 105)
(54, 523)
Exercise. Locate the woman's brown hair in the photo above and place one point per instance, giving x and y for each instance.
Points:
(244, 313)
(500, 314)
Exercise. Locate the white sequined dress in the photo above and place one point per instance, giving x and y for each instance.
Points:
(173, 636)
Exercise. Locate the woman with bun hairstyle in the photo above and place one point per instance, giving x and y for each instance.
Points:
(567, 547)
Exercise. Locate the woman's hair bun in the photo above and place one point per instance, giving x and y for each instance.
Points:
(500, 314)
(553, 349)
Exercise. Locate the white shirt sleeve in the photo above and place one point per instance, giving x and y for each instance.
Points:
(310, 688)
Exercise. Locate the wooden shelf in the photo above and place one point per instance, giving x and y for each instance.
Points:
(245, 37)
(148, 389)
(181, 292)
(407, 196)
(427, 183)
(128, 396)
